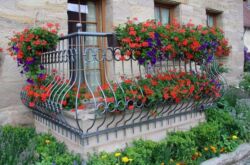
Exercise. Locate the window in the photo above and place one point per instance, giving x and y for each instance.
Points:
(213, 17)
(164, 13)
(86, 12)
(211, 20)
(89, 13)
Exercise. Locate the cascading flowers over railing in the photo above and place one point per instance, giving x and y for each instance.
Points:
(150, 41)
(27, 46)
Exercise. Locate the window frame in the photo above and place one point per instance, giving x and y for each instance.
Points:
(214, 17)
(170, 7)
(100, 26)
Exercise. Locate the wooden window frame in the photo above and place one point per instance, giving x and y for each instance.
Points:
(99, 16)
(214, 16)
(100, 27)
(166, 6)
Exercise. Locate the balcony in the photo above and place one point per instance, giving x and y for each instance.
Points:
(96, 91)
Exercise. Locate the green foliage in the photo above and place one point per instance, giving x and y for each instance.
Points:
(22, 146)
(181, 145)
(142, 152)
(102, 158)
(245, 83)
(206, 134)
(13, 142)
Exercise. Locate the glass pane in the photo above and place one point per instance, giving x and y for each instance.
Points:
(157, 14)
(93, 77)
(87, 11)
(91, 16)
(165, 16)
(210, 21)
(73, 16)
(72, 27)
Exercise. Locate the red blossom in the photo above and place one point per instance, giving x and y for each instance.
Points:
(130, 107)
(32, 104)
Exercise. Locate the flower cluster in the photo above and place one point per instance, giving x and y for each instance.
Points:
(150, 41)
(170, 86)
(27, 46)
(37, 93)
(59, 88)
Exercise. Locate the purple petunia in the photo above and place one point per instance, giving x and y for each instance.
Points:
(16, 49)
(210, 58)
(141, 60)
(30, 81)
(26, 69)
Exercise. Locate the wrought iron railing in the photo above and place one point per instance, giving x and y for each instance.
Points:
(94, 89)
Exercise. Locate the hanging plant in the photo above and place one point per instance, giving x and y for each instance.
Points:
(27, 46)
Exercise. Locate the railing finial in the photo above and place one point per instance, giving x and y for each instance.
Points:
(79, 27)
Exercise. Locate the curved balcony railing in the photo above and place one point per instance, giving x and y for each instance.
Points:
(92, 88)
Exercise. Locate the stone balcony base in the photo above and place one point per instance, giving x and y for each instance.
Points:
(121, 138)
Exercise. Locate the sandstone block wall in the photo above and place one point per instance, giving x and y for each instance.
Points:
(18, 14)
(15, 15)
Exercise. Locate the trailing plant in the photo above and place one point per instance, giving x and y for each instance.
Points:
(150, 41)
(27, 46)
(171, 87)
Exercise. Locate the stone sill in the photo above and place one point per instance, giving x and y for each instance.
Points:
(232, 158)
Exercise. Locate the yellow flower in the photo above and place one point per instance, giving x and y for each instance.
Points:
(162, 164)
(205, 148)
(200, 154)
(196, 154)
(234, 137)
(117, 154)
(125, 159)
(213, 149)
(47, 141)
(178, 163)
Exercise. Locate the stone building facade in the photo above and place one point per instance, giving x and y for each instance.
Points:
(18, 14)
(246, 12)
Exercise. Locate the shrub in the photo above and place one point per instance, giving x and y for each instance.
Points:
(245, 83)
(141, 152)
(181, 145)
(206, 134)
(102, 158)
(13, 141)
(22, 146)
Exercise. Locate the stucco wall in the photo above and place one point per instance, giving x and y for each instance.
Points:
(18, 14)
